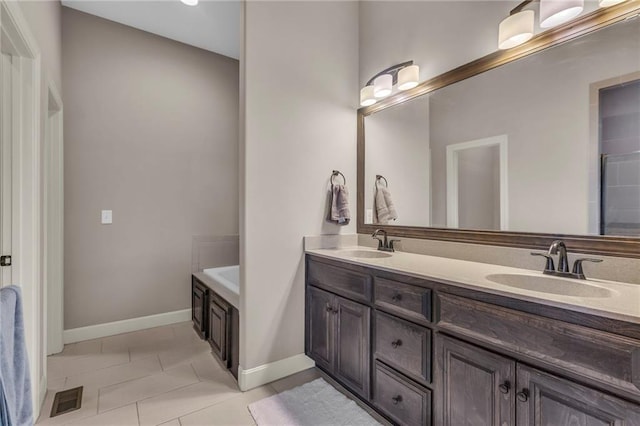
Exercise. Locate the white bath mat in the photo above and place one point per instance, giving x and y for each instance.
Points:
(316, 403)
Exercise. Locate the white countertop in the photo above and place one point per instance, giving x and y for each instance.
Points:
(623, 304)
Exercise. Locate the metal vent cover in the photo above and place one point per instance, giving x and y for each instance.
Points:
(66, 401)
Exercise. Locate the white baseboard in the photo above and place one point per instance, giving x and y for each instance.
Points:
(125, 326)
(267, 373)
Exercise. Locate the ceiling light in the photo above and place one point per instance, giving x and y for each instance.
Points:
(190, 2)
(516, 29)
(367, 98)
(382, 86)
(556, 12)
(408, 77)
(607, 3)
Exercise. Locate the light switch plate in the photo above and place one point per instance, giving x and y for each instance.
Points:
(107, 217)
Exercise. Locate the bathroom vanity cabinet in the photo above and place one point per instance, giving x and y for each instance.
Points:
(422, 352)
(217, 322)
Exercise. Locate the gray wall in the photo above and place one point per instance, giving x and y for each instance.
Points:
(301, 81)
(151, 133)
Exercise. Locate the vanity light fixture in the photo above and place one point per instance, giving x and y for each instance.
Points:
(556, 12)
(405, 75)
(190, 2)
(518, 27)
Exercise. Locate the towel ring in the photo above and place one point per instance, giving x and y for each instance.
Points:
(380, 177)
(336, 173)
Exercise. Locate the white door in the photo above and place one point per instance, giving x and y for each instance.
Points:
(6, 169)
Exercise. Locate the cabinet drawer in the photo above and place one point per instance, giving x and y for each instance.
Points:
(404, 299)
(606, 360)
(348, 283)
(404, 346)
(406, 403)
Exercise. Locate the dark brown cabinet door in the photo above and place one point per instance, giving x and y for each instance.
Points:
(352, 337)
(198, 308)
(319, 332)
(546, 400)
(476, 387)
(218, 332)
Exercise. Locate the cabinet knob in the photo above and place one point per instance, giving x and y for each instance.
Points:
(396, 343)
(396, 297)
(329, 308)
(397, 399)
(523, 396)
(505, 387)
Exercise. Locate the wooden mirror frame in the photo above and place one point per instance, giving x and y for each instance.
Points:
(596, 244)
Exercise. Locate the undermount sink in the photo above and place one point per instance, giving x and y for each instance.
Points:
(365, 254)
(550, 285)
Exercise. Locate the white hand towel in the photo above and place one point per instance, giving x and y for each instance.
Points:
(383, 208)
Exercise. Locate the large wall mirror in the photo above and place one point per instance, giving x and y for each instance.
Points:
(543, 146)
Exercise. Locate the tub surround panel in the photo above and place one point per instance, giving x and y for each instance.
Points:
(626, 270)
(212, 251)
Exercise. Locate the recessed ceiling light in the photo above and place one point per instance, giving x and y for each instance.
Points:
(190, 2)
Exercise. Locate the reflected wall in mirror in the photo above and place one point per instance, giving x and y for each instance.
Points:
(547, 144)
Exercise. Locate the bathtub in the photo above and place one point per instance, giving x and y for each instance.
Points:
(225, 281)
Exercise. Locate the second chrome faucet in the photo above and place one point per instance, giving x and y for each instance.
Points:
(558, 247)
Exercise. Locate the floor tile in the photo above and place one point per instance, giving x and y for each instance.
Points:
(231, 412)
(147, 387)
(174, 422)
(181, 354)
(88, 347)
(137, 339)
(89, 408)
(116, 374)
(207, 367)
(124, 416)
(186, 400)
(295, 380)
(70, 365)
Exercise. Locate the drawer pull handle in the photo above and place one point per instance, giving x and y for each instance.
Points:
(505, 387)
(523, 396)
(397, 399)
(396, 343)
(396, 297)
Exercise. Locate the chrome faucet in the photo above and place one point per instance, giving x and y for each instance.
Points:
(384, 244)
(558, 247)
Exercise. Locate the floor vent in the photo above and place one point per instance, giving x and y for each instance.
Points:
(67, 401)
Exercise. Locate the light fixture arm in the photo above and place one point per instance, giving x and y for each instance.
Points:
(393, 71)
(521, 6)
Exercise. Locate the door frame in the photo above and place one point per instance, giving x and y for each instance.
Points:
(452, 177)
(53, 220)
(26, 237)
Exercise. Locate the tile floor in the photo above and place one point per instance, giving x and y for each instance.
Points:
(161, 376)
